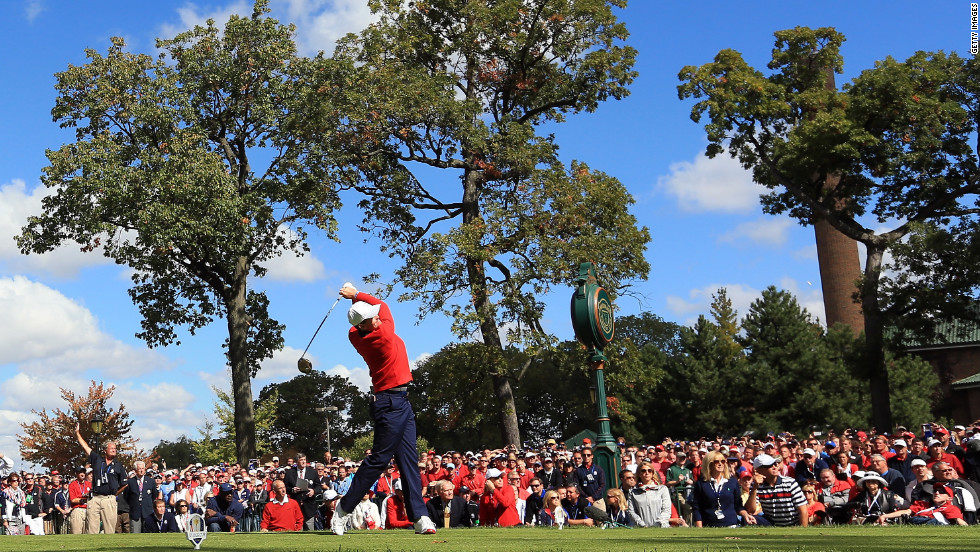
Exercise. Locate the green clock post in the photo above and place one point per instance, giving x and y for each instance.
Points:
(592, 319)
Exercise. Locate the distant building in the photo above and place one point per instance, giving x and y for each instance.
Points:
(956, 360)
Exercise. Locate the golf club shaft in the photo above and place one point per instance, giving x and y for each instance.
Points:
(320, 326)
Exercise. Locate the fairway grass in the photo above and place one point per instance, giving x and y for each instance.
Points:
(839, 539)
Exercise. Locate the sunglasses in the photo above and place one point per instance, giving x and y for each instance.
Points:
(646, 471)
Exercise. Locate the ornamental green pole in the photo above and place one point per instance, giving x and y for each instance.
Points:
(592, 319)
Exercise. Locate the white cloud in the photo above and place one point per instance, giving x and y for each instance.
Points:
(47, 333)
(192, 15)
(33, 8)
(159, 410)
(281, 367)
(699, 301)
(742, 296)
(320, 23)
(360, 376)
(16, 204)
(291, 267)
(767, 231)
(718, 184)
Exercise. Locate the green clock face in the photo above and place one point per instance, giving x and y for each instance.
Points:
(604, 327)
(592, 316)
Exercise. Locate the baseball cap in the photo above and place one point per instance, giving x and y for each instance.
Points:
(941, 488)
(361, 311)
(275, 458)
(225, 488)
(494, 473)
(809, 451)
(551, 442)
(762, 461)
(919, 462)
(900, 443)
(451, 466)
(933, 442)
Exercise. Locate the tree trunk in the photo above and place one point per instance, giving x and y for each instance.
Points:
(509, 430)
(241, 377)
(881, 412)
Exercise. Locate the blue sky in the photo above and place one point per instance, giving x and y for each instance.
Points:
(67, 319)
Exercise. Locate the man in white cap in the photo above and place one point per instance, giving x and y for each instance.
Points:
(920, 487)
(373, 336)
(781, 498)
(902, 461)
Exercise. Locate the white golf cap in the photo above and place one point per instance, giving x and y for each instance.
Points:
(361, 311)
(918, 462)
(809, 451)
(494, 473)
(762, 461)
(900, 443)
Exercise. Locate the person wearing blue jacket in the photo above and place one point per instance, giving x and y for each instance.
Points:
(716, 498)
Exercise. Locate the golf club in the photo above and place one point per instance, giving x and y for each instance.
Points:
(303, 363)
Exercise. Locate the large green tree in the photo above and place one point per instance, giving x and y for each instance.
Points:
(793, 381)
(439, 106)
(187, 168)
(899, 145)
(299, 426)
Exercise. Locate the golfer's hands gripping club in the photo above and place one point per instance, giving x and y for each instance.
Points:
(348, 291)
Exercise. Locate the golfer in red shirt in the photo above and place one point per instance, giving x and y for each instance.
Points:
(373, 336)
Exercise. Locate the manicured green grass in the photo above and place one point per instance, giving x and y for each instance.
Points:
(838, 539)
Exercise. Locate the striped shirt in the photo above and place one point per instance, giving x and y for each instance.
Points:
(781, 500)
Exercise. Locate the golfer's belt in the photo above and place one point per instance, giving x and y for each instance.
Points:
(402, 389)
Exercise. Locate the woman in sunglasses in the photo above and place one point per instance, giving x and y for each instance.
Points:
(649, 499)
(716, 499)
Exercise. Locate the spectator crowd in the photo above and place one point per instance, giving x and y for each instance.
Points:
(858, 477)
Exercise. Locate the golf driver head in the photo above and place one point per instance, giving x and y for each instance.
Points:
(305, 365)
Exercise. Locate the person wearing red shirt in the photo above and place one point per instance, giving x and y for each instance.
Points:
(938, 454)
(498, 505)
(477, 478)
(372, 334)
(942, 511)
(78, 492)
(433, 472)
(880, 446)
(395, 514)
(281, 513)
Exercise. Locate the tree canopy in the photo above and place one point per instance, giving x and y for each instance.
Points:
(895, 149)
(462, 87)
(187, 168)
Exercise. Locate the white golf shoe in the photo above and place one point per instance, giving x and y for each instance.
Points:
(424, 526)
(339, 522)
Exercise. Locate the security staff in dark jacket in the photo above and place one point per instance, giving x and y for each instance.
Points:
(141, 490)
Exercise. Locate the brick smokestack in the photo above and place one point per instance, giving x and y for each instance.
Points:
(840, 266)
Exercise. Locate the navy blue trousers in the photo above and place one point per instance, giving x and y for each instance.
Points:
(394, 435)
